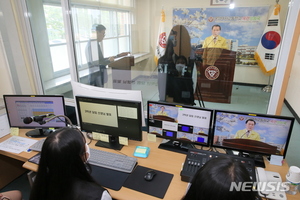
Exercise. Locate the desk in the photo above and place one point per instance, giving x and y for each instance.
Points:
(158, 159)
(11, 163)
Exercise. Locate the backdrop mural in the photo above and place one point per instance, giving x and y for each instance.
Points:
(241, 26)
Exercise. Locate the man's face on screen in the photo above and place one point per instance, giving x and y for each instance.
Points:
(250, 125)
(216, 31)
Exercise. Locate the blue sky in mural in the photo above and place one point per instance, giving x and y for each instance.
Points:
(245, 24)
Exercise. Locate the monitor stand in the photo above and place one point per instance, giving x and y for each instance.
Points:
(176, 146)
(39, 133)
(258, 159)
(112, 144)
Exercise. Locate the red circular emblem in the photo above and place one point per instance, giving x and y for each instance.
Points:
(162, 40)
(210, 19)
(212, 72)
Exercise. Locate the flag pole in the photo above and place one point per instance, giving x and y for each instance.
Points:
(268, 88)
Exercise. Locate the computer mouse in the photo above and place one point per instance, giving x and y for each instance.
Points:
(149, 175)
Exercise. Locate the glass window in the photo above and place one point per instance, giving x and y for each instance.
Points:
(56, 36)
(132, 26)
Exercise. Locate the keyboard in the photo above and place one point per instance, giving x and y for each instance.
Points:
(114, 161)
(38, 145)
(196, 158)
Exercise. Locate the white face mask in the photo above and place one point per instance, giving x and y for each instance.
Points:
(181, 68)
(87, 152)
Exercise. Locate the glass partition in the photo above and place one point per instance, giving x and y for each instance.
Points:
(235, 82)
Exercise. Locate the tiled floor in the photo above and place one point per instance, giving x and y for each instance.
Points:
(244, 98)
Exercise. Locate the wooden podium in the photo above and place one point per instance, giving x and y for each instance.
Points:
(250, 145)
(121, 72)
(215, 74)
(163, 118)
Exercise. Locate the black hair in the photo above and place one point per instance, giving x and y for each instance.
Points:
(173, 32)
(251, 120)
(181, 57)
(98, 27)
(168, 56)
(216, 25)
(62, 162)
(214, 179)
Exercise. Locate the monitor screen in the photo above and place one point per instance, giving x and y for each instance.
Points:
(80, 89)
(182, 123)
(252, 133)
(110, 116)
(19, 107)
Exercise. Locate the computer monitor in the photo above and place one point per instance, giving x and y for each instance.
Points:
(21, 108)
(252, 134)
(80, 89)
(112, 117)
(181, 125)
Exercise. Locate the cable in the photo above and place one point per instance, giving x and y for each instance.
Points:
(57, 116)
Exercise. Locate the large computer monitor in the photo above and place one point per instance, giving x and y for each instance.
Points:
(22, 110)
(80, 89)
(252, 134)
(112, 117)
(181, 125)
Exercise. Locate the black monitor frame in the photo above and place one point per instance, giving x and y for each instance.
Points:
(264, 123)
(172, 142)
(122, 126)
(40, 130)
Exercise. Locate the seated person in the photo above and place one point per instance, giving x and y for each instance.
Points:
(248, 132)
(63, 171)
(11, 195)
(213, 181)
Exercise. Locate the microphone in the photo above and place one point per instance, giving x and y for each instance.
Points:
(245, 133)
(39, 118)
(211, 41)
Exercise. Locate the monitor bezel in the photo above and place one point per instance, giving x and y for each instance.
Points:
(292, 119)
(209, 138)
(138, 137)
(35, 125)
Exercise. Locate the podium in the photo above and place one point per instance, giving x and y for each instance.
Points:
(215, 70)
(164, 118)
(121, 72)
(250, 145)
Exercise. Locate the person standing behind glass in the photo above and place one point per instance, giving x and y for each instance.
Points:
(166, 72)
(215, 40)
(100, 77)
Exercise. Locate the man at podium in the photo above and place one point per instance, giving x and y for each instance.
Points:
(215, 40)
(162, 111)
(248, 132)
(98, 76)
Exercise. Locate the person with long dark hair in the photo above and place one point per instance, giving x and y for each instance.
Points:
(167, 71)
(63, 170)
(214, 181)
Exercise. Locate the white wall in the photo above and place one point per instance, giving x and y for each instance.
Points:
(292, 93)
(13, 43)
(6, 86)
